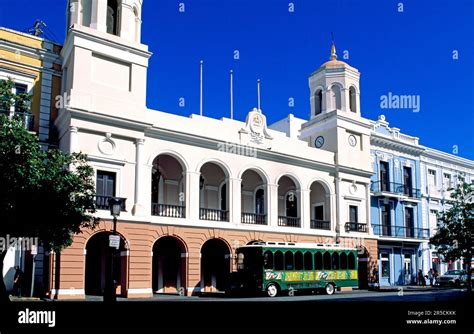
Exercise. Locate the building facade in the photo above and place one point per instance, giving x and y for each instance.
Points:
(34, 65)
(440, 172)
(195, 188)
(396, 213)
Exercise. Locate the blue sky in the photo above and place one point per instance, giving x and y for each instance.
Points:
(406, 53)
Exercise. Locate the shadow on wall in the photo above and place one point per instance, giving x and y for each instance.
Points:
(8, 279)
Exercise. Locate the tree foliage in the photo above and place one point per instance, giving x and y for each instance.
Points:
(44, 194)
(453, 237)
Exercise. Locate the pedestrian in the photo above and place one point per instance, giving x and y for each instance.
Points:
(17, 281)
(431, 276)
(421, 279)
(435, 277)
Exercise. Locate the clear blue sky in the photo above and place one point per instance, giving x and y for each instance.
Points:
(409, 52)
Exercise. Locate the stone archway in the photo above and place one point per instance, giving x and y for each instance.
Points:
(215, 265)
(169, 266)
(98, 257)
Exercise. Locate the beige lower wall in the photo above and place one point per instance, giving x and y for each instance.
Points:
(140, 238)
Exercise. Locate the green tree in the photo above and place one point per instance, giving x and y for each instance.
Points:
(453, 237)
(47, 195)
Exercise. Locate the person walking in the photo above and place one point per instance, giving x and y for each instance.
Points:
(430, 276)
(17, 281)
(421, 279)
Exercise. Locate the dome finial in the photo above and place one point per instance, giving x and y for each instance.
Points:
(333, 49)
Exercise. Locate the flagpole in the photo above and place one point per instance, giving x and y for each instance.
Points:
(231, 95)
(258, 94)
(200, 89)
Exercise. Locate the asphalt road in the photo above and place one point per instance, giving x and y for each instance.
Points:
(356, 295)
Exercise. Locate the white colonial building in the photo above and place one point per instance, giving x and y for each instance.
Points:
(440, 172)
(196, 187)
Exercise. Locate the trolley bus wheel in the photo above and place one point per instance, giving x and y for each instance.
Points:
(329, 289)
(272, 290)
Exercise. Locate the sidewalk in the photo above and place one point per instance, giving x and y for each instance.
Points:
(392, 288)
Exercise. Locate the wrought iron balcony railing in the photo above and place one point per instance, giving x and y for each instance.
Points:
(214, 215)
(289, 221)
(401, 231)
(356, 227)
(320, 224)
(395, 188)
(168, 210)
(102, 202)
(253, 218)
(25, 117)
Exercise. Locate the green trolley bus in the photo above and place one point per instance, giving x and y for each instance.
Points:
(274, 267)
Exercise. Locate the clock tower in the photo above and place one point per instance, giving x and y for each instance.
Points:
(336, 124)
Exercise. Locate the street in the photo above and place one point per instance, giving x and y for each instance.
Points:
(400, 295)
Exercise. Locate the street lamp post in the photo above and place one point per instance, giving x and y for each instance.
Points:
(115, 205)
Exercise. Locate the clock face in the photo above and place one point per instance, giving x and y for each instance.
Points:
(319, 142)
(352, 140)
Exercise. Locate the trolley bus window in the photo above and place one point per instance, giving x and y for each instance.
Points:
(335, 261)
(268, 260)
(343, 259)
(308, 261)
(248, 259)
(318, 261)
(298, 260)
(278, 260)
(327, 261)
(352, 261)
(240, 261)
(289, 260)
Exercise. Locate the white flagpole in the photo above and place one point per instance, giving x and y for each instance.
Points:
(231, 95)
(258, 94)
(200, 89)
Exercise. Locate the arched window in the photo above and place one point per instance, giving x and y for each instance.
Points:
(289, 260)
(308, 261)
(327, 261)
(260, 202)
(318, 261)
(318, 102)
(351, 261)
(268, 260)
(352, 99)
(336, 96)
(343, 263)
(112, 17)
(298, 260)
(335, 261)
(278, 260)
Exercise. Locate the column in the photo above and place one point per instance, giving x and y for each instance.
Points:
(99, 15)
(192, 195)
(73, 139)
(272, 210)
(338, 224)
(367, 215)
(138, 207)
(345, 99)
(305, 206)
(235, 200)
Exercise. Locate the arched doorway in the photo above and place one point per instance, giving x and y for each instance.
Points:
(98, 257)
(215, 265)
(169, 266)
